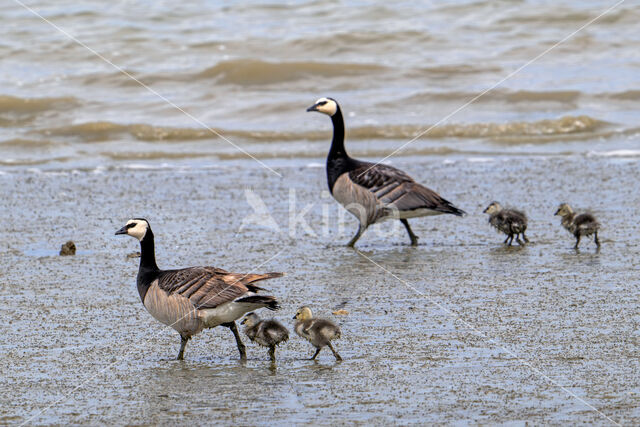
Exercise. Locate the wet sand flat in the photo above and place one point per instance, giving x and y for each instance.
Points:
(459, 329)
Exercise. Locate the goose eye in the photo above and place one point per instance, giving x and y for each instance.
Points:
(133, 224)
(322, 103)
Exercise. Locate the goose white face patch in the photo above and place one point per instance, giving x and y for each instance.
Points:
(326, 106)
(138, 230)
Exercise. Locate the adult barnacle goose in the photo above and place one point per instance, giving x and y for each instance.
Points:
(319, 332)
(579, 225)
(511, 222)
(195, 298)
(266, 332)
(375, 192)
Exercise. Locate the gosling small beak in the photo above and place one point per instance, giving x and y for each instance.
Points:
(123, 230)
(295, 317)
(556, 212)
(314, 107)
(243, 320)
(485, 211)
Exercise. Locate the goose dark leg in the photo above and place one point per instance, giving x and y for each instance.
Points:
(241, 347)
(357, 236)
(316, 355)
(577, 241)
(272, 353)
(183, 343)
(510, 239)
(413, 237)
(525, 237)
(520, 242)
(596, 241)
(335, 353)
(506, 240)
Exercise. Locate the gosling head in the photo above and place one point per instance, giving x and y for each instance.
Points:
(494, 207)
(564, 210)
(250, 319)
(136, 227)
(303, 313)
(327, 106)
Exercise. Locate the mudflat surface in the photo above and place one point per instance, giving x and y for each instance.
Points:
(458, 329)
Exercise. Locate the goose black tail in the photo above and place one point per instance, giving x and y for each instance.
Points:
(268, 301)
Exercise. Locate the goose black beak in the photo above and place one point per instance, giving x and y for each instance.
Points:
(556, 212)
(485, 211)
(123, 230)
(294, 317)
(314, 107)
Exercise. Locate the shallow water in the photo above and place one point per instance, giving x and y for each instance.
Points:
(249, 71)
(445, 335)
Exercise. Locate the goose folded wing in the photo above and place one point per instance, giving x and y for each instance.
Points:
(378, 177)
(205, 287)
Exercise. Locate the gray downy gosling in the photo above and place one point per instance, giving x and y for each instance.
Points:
(319, 332)
(579, 225)
(268, 332)
(195, 298)
(511, 222)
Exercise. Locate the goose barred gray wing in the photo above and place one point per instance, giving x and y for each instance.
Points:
(394, 187)
(208, 287)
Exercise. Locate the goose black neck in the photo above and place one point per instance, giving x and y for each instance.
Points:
(337, 150)
(148, 270)
(338, 161)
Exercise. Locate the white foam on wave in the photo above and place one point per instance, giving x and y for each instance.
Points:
(481, 159)
(615, 153)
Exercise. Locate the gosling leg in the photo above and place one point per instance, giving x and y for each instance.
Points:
(510, 239)
(525, 237)
(335, 353)
(316, 354)
(506, 240)
(597, 242)
(413, 237)
(183, 343)
(241, 347)
(355, 238)
(272, 353)
(520, 242)
(577, 241)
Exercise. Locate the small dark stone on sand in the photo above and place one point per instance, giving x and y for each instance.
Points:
(134, 255)
(68, 248)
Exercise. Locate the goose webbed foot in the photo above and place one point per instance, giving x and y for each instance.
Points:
(183, 343)
(316, 354)
(413, 237)
(335, 353)
(236, 334)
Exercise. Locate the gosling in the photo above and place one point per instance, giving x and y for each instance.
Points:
(511, 222)
(267, 333)
(579, 225)
(319, 332)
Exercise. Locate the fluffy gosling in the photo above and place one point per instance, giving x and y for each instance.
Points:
(319, 332)
(579, 225)
(267, 333)
(511, 222)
